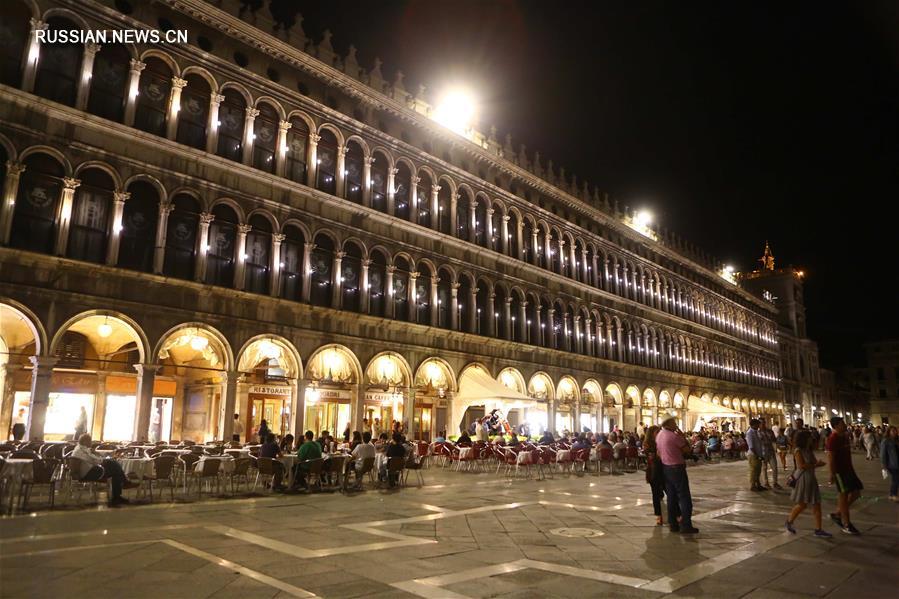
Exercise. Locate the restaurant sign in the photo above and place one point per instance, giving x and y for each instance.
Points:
(269, 390)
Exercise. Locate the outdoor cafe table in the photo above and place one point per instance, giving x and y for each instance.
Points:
(138, 467)
(289, 460)
(226, 465)
(16, 470)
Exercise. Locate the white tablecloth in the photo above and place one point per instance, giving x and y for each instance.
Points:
(105, 452)
(226, 465)
(380, 461)
(137, 467)
(289, 461)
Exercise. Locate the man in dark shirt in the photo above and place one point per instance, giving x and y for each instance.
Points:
(309, 450)
(271, 449)
(547, 438)
(849, 487)
(464, 439)
(395, 450)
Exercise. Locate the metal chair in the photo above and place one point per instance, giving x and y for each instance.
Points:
(209, 471)
(163, 472)
(395, 466)
(43, 471)
(75, 471)
(368, 465)
(606, 455)
(311, 471)
(267, 468)
(415, 465)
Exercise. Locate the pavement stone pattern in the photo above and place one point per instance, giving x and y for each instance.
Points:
(463, 534)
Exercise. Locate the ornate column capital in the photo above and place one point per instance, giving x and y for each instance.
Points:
(284, 125)
(244, 228)
(14, 168)
(70, 183)
(251, 112)
(164, 207)
(143, 369)
(314, 138)
(309, 246)
(393, 171)
(414, 274)
(342, 150)
(339, 255)
(137, 66)
(415, 180)
(179, 83)
(279, 237)
(390, 269)
(91, 48)
(366, 263)
(206, 218)
(216, 99)
(506, 218)
(435, 188)
(38, 25)
(368, 160)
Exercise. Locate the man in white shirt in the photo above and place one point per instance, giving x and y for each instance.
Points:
(99, 468)
(238, 429)
(363, 450)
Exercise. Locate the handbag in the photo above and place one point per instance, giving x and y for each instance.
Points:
(791, 480)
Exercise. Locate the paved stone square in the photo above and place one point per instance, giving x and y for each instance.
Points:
(461, 535)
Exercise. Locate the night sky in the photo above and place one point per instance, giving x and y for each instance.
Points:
(734, 122)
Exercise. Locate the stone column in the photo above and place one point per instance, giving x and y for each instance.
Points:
(535, 249)
(566, 332)
(435, 207)
(523, 327)
(10, 189)
(248, 136)
(539, 327)
(356, 396)
(519, 239)
(548, 252)
(408, 418)
(551, 325)
(281, 148)
(299, 409)
(87, 70)
(454, 306)
(454, 203)
(563, 267)
(242, 231)
(492, 316)
(412, 297)
(366, 180)
(585, 268)
(435, 306)
(337, 280)
(596, 279)
(7, 399)
(165, 208)
(574, 268)
(136, 67)
(413, 198)
(312, 158)
(365, 297)
(491, 234)
(390, 305)
(473, 312)
(576, 346)
(171, 129)
(212, 127)
(307, 271)
(118, 208)
(146, 378)
(505, 235)
(202, 246)
(99, 407)
(473, 222)
(341, 171)
(229, 393)
(29, 72)
(588, 337)
(65, 214)
(41, 377)
(507, 314)
(275, 279)
(391, 191)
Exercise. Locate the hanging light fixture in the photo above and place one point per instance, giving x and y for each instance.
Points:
(197, 342)
(269, 350)
(105, 329)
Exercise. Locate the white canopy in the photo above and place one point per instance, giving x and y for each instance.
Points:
(478, 389)
(700, 409)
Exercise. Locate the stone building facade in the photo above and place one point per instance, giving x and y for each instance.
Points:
(245, 224)
(883, 380)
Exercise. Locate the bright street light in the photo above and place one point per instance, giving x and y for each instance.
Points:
(456, 110)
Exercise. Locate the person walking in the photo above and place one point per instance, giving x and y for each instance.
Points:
(889, 459)
(870, 444)
(782, 441)
(263, 431)
(237, 429)
(805, 491)
(842, 474)
(655, 474)
(769, 454)
(672, 446)
(755, 455)
(81, 424)
(18, 427)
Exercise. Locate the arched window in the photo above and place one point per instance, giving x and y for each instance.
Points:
(232, 113)
(139, 227)
(91, 209)
(14, 34)
(463, 296)
(181, 238)
(194, 114)
(512, 238)
(481, 223)
(444, 216)
(322, 263)
(37, 201)
(354, 171)
(59, 66)
(444, 299)
(401, 289)
(402, 194)
(297, 138)
(109, 80)
(257, 268)
(222, 246)
(265, 136)
(558, 332)
(483, 316)
(555, 256)
(326, 177)
(351, 277)
(533, 329)
(423, 295)
(377, 284)
(527, 240)
(292, 263)
(379, 183)
(515, 314)
(153, 97)
(463, 216)
(496, 229)
(542, 258)
(423, 197)
(546, 332)
(501, 325)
